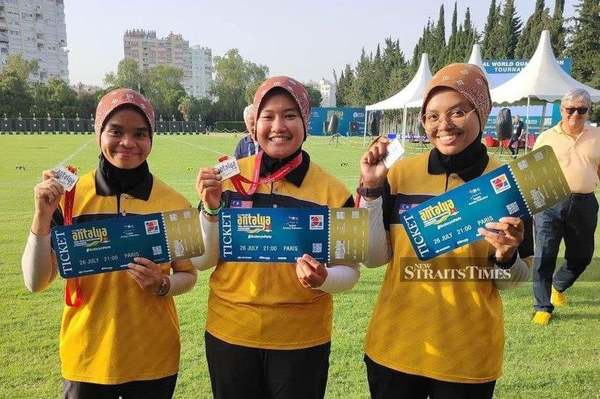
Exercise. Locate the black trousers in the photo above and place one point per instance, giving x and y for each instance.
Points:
(162, 388)
(573, 220)
(513, 146)
(385, 383)
(251, 373)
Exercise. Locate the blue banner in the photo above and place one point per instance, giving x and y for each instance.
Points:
(351, 121)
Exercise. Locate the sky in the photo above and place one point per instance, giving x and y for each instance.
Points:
(305, 39)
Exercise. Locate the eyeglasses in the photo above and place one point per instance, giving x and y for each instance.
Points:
(580, 110)
(456, 117)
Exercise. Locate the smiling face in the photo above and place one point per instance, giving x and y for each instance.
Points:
(575, 122)
(279, 128)
(125, 139)
(457, 124)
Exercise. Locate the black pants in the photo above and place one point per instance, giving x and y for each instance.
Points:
(385, 383)
(251, 373)
(513, 146)
(162, 388)
(573, 220)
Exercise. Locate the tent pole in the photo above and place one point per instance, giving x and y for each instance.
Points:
(526, 126)
(404, 125)
(543, 116)
(365, 129)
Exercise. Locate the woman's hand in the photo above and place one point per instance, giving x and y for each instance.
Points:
(311, 273)
(209, 187)
(507, 237)
(146, 273)
(372, 170)
(47, 195)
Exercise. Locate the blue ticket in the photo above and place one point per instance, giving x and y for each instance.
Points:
(110, 244)
(284, 234)
(521, 188)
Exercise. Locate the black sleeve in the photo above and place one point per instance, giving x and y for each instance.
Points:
(526, 247)
(349, 203)
(388, 205)
(57, 218)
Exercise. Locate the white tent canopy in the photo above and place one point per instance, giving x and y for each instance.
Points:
(411, 93)
(475, 59)
(542, 78)
(410, 96)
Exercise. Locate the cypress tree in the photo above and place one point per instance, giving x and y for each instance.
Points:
(491, 22)
(537, 22)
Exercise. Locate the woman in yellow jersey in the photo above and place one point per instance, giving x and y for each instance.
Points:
(120, 336)
(444, 338)
(268, 328)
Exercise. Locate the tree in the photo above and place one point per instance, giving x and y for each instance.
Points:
(314, 95)
(15, 93)
(251, 91)
(128, 75)
(537, 22)
(344, 87)
(55, 98)
(361, 87)
(583, 42)
(557, 29)
(164, 89)
(233, 76)
(509, 30)
(20, 67)
(438, 48)
(492, 21)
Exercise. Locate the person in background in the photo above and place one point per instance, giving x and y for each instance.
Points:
(577, 147)
(122, 339)
(247, 146)
(268, 327)
(515, 139)
(439, 338)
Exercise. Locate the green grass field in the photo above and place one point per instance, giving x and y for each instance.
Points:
(559, 361)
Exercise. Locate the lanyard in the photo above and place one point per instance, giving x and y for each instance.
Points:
(256, 180)
(68, 220)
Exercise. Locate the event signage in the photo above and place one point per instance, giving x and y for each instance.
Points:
(108, 245)
(351, 121)
(522, 188)
(285, 234)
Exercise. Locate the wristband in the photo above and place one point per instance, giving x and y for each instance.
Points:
(211, 212)
(509, 264)
(370, 192)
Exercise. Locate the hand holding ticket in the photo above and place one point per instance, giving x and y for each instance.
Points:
(228, 168)
(395, 150)
(65, 177)
(373, 171)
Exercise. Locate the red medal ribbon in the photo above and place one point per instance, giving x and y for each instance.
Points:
(273, 177)
(68, 220)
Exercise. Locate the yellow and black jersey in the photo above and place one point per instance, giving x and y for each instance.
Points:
(120, 332)
(444, 329)
(263, 305)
